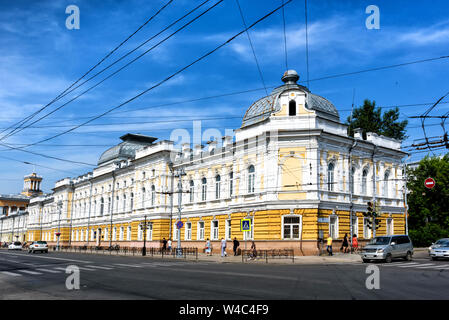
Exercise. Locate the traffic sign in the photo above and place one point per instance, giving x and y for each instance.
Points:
(179, 224)
(245, 225)
(429, 183)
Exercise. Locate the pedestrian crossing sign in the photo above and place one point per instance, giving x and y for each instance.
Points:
(245, 225)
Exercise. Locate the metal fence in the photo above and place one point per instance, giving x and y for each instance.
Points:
(265, 255)
(118, 250)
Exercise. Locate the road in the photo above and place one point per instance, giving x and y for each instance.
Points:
(43, 276)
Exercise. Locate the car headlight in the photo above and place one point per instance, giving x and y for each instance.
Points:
(380, 250)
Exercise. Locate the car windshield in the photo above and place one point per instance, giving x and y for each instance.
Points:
(442, 242)
(17, 243)
(380, 241)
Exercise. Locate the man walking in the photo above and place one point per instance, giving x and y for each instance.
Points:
(223, 248)
(329, 245)
(169, 245)
(236, 245)
(164, 244)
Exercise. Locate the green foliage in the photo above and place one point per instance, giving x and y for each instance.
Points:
(429, 208)
(370, 119)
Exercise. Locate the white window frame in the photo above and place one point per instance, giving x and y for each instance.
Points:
(355, 225)
(149, 231)
(389, 229)
(251, 179)
(291, 226)
(122, 230)
(203, 189)
(366, 231)
(128, 233)
(188, 231)
(200, 230)
(330, 177)
(334, 232)
(228, 231)
(217, 187)
(214, 231)
(192, 191)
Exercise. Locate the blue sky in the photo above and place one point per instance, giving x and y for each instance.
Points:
(40, 57)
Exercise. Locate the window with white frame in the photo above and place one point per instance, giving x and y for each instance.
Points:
(77, 235)
(175, 231)
(292, 227)
(188, 231)
(140, 232)
(333, 226)
(149, 231)
(114, 234)
(366, 229)
(351, 180)
(214, 230)
(330, 177)
(106, 234)
(228, 230)
(121, 233)
(249, 235)
(143, 197)
(390, 227)
(217, 187)
(200, 235)
(128, 234)
(124, 202)
(82, 235)
(203, 189)
(153, 195)
(251, 178)
(101, 206)
(355, 225)
(231, 184)
(132, 201)
(191, 191)
(364, 181)
(386, 177)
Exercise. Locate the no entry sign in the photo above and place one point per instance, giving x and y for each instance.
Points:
(429, 183)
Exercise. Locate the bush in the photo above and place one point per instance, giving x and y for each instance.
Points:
(425, 236)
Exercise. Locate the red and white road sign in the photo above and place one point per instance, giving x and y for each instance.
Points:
(429, 183)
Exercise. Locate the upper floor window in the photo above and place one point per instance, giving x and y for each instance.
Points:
(101, 206)
(204, 189)
(143, 197)
(364, 181)
(292, 108)
(251, 178)
(386, 177)
(153, 195)
(231, 184)
(330, 177)
(192, 190)
(217, 187)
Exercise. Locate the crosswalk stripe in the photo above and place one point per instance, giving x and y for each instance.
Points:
(30, 272)
(128, 265)
(86, 269)
(49, 270)
(420, 265)
(59, 268)
(444, 266)
(11, 274)
(100, 267)
(426, 267)
(394, 264)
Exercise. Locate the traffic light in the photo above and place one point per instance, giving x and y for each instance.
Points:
(369, 224)
(377, 223)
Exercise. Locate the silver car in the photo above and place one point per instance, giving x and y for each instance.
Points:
(38, 246)
(387, 248)
(439, 249)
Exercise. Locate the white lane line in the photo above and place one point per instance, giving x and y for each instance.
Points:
(83, 261)
(60, 268)
(100, 267)
(11, 274)
(30, 272)
(444, 266)
(49, 270)
(397, 264)
(128, 265)
(87, 269)
(416, 266)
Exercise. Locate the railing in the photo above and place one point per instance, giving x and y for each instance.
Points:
(265, 255)
(152, 251)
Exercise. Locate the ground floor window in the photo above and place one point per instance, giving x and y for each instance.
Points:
(291, 227)
(175, 233)
(149, 231)
(366, 229)
(188, 234)
(333, 226)
(122, 231)
(200, 235)
(214, 230)
(128, 234)
(228, 230)
(140, 233)
(355, 225)
(390, 227)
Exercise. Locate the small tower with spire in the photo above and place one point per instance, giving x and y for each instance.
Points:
(32, 185)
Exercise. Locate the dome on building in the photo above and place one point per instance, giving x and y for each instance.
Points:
(264, 107)
(126, 149)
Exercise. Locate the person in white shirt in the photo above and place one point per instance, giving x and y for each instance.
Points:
(223, 248)
(169, 245)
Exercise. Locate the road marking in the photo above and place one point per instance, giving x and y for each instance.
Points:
(18, 255)
(419, 265)
(60, 268)
(48, 270)
(11, 274)
(30, 272)
(128, 265)
(444, 266)
(87, 269)
(99, 267)
(400, 264)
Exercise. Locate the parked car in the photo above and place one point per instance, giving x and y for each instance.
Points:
(38, 246)
(388, 248)
(16, 245)
(439, 249)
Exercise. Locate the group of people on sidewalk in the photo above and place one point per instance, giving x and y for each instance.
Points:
(344, 245)
(223, 245)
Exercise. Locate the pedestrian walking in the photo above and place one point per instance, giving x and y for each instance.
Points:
(223, 248)
(355, 244)
(329, 245)
(345, 244)
(208, 248)
(164, 245)
(253, 252)
(236, 245)
(169, 245)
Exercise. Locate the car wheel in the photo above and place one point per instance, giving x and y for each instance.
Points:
(434, 258)
(408, 257)
(388, 259)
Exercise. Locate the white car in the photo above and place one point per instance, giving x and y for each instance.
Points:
(16, 245)
(38, 246)
(439, 249)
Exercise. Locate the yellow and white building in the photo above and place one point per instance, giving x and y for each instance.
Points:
(291, 168)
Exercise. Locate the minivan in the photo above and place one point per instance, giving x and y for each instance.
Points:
(387, 248)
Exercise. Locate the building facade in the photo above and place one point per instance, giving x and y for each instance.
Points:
(291, 168)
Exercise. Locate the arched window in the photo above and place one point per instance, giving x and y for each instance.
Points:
(251, 178)
(364, 181)
(217, 187)
(204, 189)
(101, 206)
(192, 190)
(292, 108)
(386, 176)
(330, 177)
(153, 195)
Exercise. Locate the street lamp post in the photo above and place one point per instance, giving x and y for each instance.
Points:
(59, 224)
(144, 249)
(180, 174)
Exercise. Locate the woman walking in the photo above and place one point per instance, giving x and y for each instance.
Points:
(208, 248)
(345, 244)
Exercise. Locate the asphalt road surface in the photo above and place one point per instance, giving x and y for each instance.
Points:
(43, 276)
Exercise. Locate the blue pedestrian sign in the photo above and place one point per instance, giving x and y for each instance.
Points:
(179, 224)
(245, 225)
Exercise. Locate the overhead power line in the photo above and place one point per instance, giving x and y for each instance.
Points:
(26, 119)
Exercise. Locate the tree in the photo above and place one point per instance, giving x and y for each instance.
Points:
(369, 118)
(429, 208)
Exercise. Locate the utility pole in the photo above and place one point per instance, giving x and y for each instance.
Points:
(90, 208)
(171, 198)
(112, 208)
(374, 191)
(179, 174)
(71, 214)
(145, 227)
(405, 199)
(58, 235)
